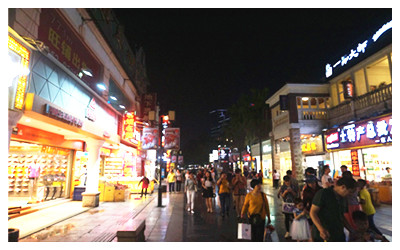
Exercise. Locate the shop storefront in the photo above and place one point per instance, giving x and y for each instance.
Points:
(266, 158)
(365, 147)
(39, 166)
(313, 152)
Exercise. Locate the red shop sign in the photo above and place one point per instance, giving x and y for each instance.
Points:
(65, 45)
(367, 133)
(354, 163)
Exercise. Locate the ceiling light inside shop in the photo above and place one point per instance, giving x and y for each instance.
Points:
(122, 106)
(304, 99)
(113, 97)
(87, 72)
(101, 86)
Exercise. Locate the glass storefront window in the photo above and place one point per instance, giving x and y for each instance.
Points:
(360, 83)
(378, 73)
(313, 103)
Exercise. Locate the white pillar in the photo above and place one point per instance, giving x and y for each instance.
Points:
(90, 198)
(13, 118)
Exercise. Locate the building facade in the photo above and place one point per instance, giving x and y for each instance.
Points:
(73, 104)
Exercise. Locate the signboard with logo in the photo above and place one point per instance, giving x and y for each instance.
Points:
(150, 138)
(367, 133)
(172, 138)
(312, 145)
(65, 45)
(223, 154)
(62, 116)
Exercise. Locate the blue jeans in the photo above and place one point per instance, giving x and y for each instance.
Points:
(225, 202)
(171, 187)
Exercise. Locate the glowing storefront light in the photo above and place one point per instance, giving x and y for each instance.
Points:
(16, 47)
(361, 134)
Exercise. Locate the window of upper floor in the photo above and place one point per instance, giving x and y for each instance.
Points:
(367, 79)
(312, 102)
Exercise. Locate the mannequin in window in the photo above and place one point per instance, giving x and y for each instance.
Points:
(34, 172)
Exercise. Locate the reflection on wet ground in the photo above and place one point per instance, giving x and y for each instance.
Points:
(56, 230)
(95, 211)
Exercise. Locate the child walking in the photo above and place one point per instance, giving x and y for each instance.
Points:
(300, 229)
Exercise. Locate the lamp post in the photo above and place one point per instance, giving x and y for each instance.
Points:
(160, 151)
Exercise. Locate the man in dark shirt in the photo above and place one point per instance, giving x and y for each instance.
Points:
(327, 211)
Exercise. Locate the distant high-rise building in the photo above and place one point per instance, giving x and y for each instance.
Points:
(218, 120)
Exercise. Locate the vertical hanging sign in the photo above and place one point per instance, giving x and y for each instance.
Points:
(354, 163)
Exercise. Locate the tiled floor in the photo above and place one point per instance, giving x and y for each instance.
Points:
(170, 223)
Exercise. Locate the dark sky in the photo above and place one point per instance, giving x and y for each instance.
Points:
(199, 60)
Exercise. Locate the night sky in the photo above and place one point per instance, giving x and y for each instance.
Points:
(199, 60)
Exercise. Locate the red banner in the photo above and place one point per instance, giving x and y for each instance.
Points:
(150, 138)
(355, 166)
(172, 138)
(65, 45)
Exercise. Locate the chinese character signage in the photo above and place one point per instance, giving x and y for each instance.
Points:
(366, 133)
(65, 45)
(18, 70)
(129, 132)
(355, 167)
(172, 138)
(150, 138)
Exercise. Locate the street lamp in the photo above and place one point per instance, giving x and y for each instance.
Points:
(160, 151)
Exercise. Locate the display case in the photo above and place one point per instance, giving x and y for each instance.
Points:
(113, 167)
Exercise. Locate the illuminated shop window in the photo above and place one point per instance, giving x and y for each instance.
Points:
(378, 74)
(360, 83)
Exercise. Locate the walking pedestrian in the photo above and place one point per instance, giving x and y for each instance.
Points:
(145, 184)
(293, 182)
(309, 191)
(190, 189)
(288, 194)
(239, 184)
(275, 179)
(352, 203)
(223, 193)
(366, 204)
(179, 179)
(171, 181)
(327, 212)
(256, 208)
(300, 229)
(208, 191)
(326, 178)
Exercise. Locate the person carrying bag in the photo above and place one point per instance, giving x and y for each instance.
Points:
(257, 209)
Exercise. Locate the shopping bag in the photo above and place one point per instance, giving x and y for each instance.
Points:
(288, 207)
(244, 231)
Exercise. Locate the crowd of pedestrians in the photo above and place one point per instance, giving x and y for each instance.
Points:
(324, 209)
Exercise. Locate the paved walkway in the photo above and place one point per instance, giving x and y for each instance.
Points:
(170, 223)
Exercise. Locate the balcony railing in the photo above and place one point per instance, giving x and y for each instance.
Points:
(372, 98)
(349, 108)
(313, 115)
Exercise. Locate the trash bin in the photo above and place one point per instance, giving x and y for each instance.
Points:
(13, 235)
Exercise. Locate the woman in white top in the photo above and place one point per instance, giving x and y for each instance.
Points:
(190, 189)
(326, 179)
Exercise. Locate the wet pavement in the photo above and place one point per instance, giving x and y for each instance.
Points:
(170, 223)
